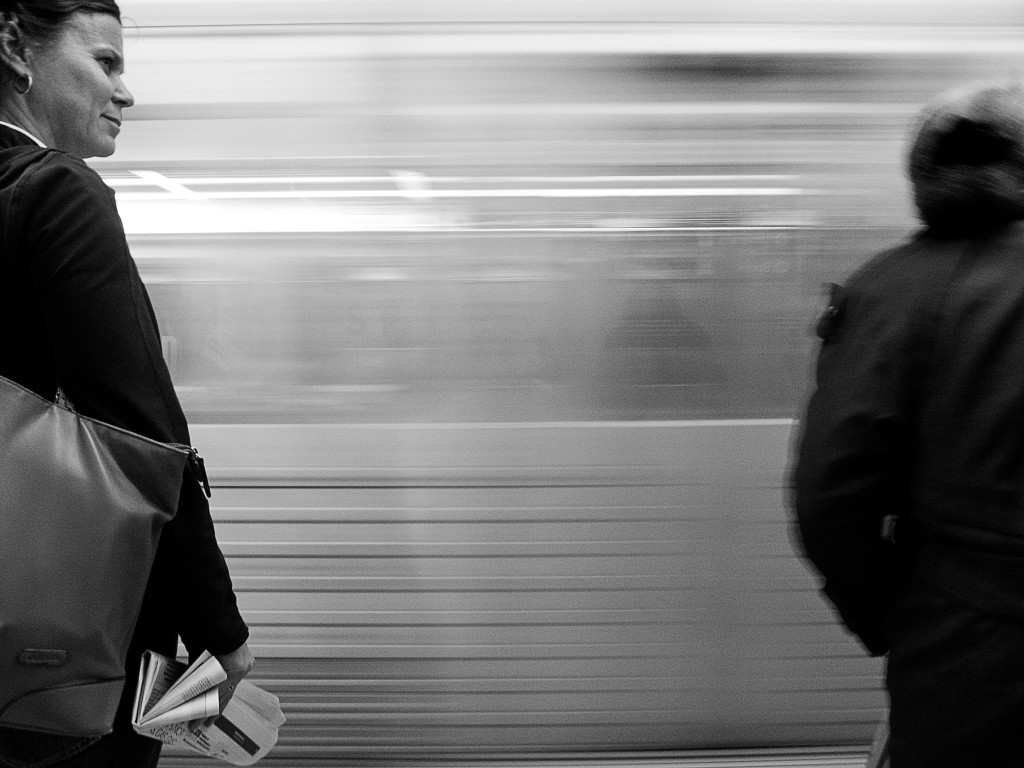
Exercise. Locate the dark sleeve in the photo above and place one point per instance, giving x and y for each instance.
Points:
(851, 462)
(107, 352)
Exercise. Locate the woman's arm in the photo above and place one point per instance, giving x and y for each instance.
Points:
(103, 336)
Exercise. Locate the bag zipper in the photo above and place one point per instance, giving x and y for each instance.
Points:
(198, 467)
(195, 462)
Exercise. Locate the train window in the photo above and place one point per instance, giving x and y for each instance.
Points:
(485, 327)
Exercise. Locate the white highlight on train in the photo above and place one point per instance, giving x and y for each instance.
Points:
(152, 178)
(175, 188)
(158, 204)
(476, 193)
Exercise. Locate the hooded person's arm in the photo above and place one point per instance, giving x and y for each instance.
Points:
(851, 458)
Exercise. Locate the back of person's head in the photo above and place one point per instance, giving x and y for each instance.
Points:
(966, 159)
(39, 22)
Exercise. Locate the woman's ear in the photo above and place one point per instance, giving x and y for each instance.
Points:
(12, 47)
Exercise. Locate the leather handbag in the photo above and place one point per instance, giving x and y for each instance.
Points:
(82, 504)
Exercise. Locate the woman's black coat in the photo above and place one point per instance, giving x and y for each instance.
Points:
(73, 310)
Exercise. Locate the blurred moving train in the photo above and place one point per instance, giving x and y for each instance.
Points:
(493, 320)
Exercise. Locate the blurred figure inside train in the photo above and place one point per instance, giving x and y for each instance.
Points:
(917, 418)
(659, 362)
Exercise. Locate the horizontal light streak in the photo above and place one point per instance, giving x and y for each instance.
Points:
(161, 46)
(174, 187)
(292, 105)
(466, 230)
(169, 227)
(178, 208)
(193, 181)
(727, 38)
(589, 425)
(441, 230)
(598, 229)
(659, 109)
(477, 193)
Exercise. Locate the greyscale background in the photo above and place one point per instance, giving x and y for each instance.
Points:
(492, 320)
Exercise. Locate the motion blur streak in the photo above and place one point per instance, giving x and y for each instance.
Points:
(492, 319)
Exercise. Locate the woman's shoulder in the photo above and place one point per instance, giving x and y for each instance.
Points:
(42, 167)
(52, 186)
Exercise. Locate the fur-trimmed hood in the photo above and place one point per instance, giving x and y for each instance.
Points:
(966, 160)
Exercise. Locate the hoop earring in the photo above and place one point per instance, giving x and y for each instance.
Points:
(25, 80)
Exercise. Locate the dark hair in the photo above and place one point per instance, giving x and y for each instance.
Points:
(40, 21)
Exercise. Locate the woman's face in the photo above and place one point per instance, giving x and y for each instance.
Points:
(77, 95)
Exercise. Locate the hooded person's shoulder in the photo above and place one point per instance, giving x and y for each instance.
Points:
(892, 289)
(890, 270)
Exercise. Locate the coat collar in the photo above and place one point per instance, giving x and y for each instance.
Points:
(13, 136)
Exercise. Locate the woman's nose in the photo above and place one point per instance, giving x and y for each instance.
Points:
(122, 96)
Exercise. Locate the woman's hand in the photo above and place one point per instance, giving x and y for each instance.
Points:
(237, 664)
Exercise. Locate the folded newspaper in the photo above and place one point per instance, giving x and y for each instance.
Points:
(173, 699)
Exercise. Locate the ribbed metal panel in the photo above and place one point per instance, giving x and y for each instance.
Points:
(561, 587)
(833, 757)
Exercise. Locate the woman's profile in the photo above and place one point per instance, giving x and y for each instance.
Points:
(74, 314)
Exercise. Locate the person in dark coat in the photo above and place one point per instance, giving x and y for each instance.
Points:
(74, 313)
(908, 484)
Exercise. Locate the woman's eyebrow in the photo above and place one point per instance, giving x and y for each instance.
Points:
(105, 49)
